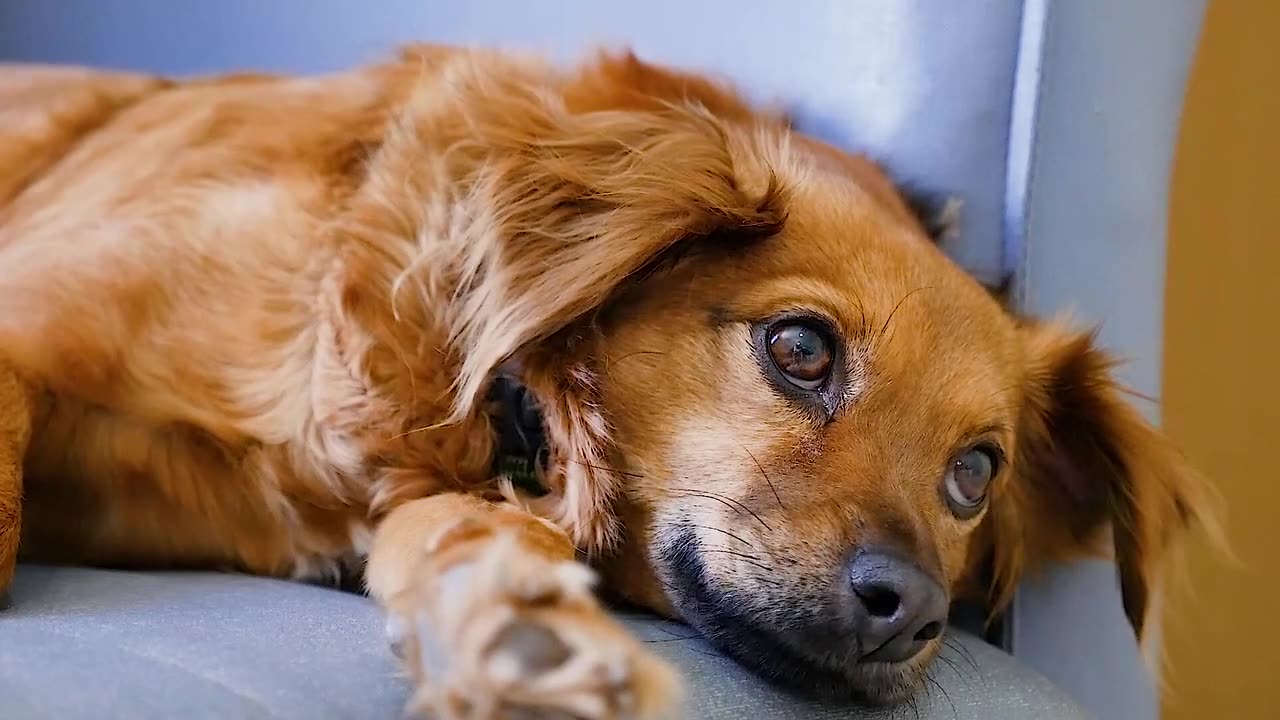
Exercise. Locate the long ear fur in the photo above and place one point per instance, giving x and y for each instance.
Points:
(543, 197)
(584, 205)
(576, 203)
(1087, 460)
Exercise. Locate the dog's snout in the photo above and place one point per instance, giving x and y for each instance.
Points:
(899, 607)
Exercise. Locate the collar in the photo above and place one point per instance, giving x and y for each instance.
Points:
(521, 453)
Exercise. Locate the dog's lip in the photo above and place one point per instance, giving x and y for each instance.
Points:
(780, 659)
(782, 656)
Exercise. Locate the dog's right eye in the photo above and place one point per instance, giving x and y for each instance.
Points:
(802, 352)
(966, 481)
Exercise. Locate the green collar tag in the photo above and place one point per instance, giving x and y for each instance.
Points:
(522, 447)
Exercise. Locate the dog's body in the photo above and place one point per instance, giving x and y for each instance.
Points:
(250, 323)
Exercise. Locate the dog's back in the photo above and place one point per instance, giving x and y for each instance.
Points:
(46, 111)
(126, 202)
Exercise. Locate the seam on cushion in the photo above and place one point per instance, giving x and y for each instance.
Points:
(1045, 87)
(168, 662)
(1021, 153)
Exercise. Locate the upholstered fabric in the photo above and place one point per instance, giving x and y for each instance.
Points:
(106, 645)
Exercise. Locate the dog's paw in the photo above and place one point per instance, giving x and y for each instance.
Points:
(511, 635)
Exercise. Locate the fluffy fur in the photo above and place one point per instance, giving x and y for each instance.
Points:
(252, 320)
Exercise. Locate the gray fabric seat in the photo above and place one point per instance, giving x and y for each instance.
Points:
(102, 644)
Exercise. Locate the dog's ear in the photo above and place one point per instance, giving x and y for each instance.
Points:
(577, 203)
(1087, 461)
(633, 168)
(508, 203)
(622, 81)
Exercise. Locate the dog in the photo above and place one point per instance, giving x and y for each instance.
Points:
(484, 328)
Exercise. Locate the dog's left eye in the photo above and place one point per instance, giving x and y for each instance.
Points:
(967, 479)
(803, 353)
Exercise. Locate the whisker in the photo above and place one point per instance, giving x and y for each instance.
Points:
(676, 636)
(950, 663)
(954, 712)
(724, 532)
(691, 494)
(962, 651)
(964, 654)
(743, 556)
(893, 312)
(726, 500)
(762, 473)
(671, 589)
(731, 503)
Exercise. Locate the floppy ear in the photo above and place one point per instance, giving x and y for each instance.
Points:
(581, 202)
(622, 81)
(505, 204)
(1086, 460)
(561, 205)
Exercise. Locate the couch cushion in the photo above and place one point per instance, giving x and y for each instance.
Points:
(100, 644)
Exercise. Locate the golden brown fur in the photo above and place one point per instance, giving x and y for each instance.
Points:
(258, 317)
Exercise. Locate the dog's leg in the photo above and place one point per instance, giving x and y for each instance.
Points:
(494, 618)
(15, 431)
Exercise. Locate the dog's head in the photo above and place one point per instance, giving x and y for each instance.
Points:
(775, 408)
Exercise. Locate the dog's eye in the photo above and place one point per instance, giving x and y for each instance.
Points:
(802, 352)
(967, 479)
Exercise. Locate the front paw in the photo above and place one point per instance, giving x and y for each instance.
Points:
(510, 634)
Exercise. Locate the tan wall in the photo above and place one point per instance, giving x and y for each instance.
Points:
(1222, 361)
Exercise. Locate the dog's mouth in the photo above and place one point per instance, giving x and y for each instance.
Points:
(812, 661)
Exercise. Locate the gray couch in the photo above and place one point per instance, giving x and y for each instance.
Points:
(1053, 120)
(82, 643)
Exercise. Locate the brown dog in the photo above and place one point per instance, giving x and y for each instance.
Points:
(259, 323)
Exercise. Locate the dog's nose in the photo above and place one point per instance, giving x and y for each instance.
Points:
(899, 607)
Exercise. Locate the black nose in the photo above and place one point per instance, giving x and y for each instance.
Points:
(899, 607)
